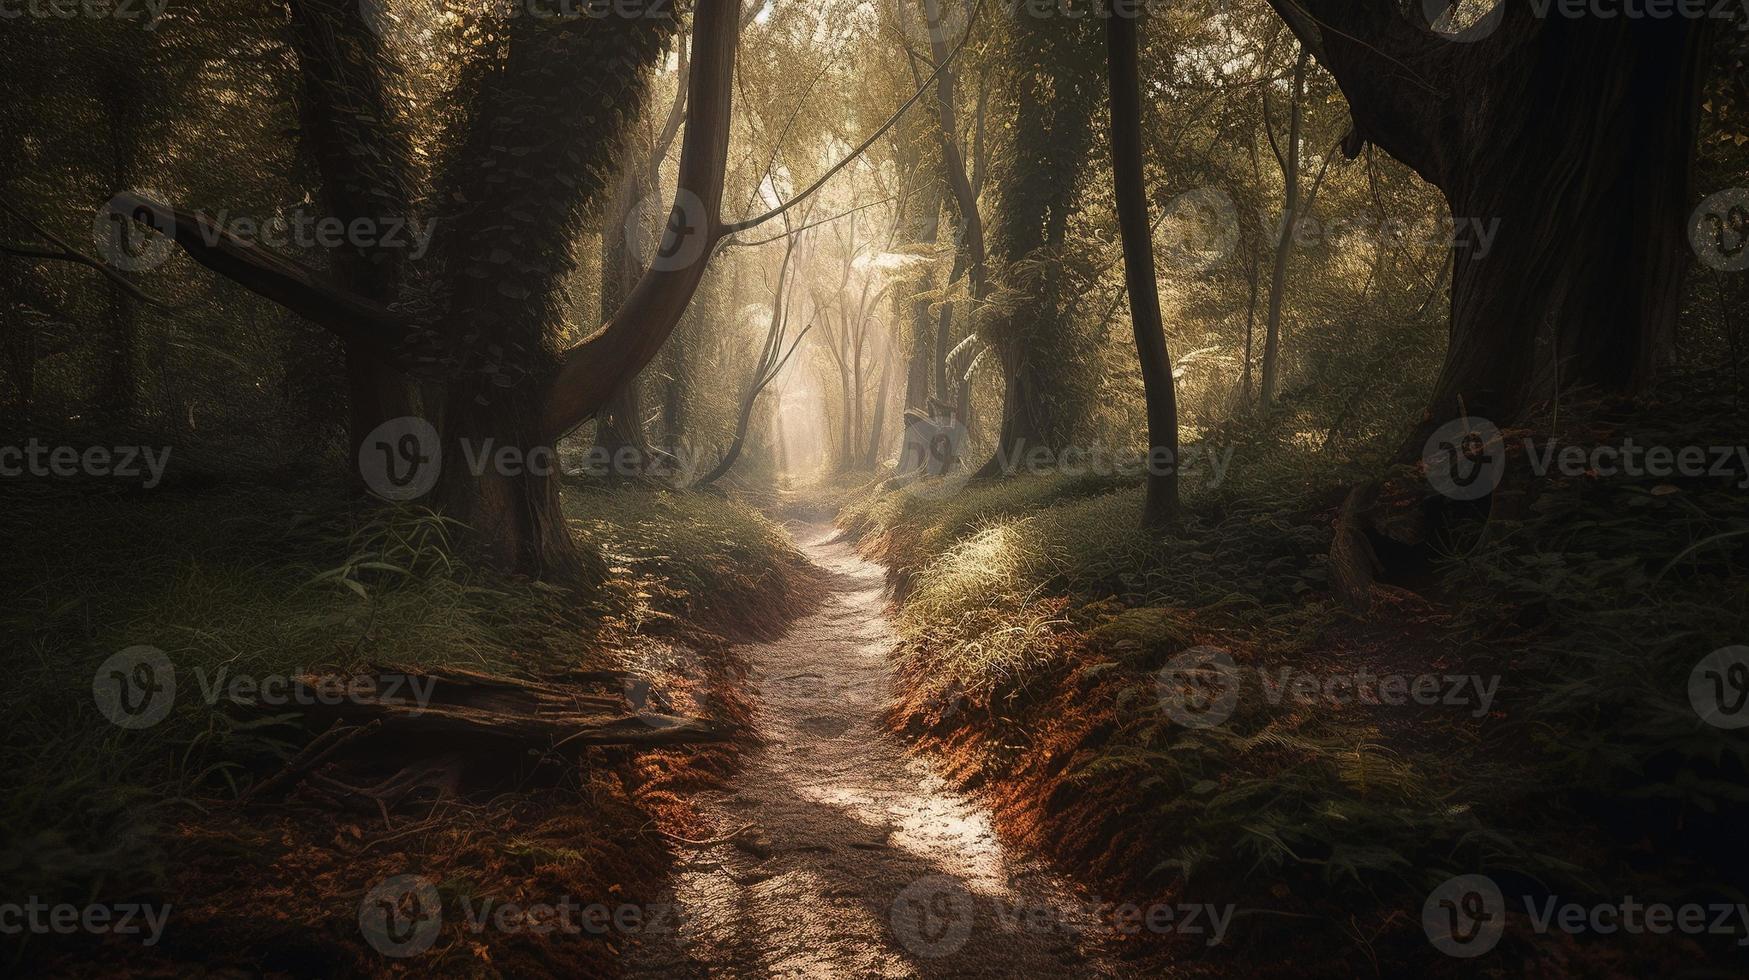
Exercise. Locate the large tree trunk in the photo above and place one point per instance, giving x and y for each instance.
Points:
(925, 227)
(1588, 184)
(1588, 181)
(1582, 284)
(512, 511)
(1160, 507)
(1053, 81)
(1026, 422)
(361, 159)
(500, 474)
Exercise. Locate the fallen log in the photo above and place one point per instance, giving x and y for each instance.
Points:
(427, 727)
(471, 705)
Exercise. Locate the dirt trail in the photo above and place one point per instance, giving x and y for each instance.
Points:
(861, 863)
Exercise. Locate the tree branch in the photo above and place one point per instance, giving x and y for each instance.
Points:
(592, 369)
(68, 253)
(735, 242)
(291, 284)
(1399, 77)
(861, 148)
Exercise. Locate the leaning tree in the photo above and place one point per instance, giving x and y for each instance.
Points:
(541, 107)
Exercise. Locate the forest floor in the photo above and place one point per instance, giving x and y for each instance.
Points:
(958, 751)
(251, 583)
(1049, 650)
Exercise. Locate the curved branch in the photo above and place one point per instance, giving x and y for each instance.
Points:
(735, 242)
(594, 368)
(291, 284)
(861, 148)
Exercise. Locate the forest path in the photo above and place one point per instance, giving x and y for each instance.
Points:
(862, 862)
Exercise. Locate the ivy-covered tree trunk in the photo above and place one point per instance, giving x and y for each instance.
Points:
(1053, 69)
(531, 169)
(359, 151)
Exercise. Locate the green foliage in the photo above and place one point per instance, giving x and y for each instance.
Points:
(255, 583)
(1593, 610)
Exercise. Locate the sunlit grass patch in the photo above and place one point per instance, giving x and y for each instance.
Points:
(1048, 604)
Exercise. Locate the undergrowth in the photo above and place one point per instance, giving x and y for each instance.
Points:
(1035, 598)
(257, 583)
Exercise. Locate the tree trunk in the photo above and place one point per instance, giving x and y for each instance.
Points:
(1161, 504)
(846, 438)
(1290, 172)
(924, 348)
(871, 458)
(1051, 136)
(1250, 326)
(619, 429)
(970, 255)
(1025, 424)
(360, 157)
(122, 112)
(1582, 284)
(1588, 183)
(1582, 189)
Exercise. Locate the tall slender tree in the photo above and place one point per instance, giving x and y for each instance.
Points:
(1160, 506)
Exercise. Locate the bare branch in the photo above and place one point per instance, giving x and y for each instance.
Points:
(734, 242)
(291, 284)
(892, 120)
(68, 253)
